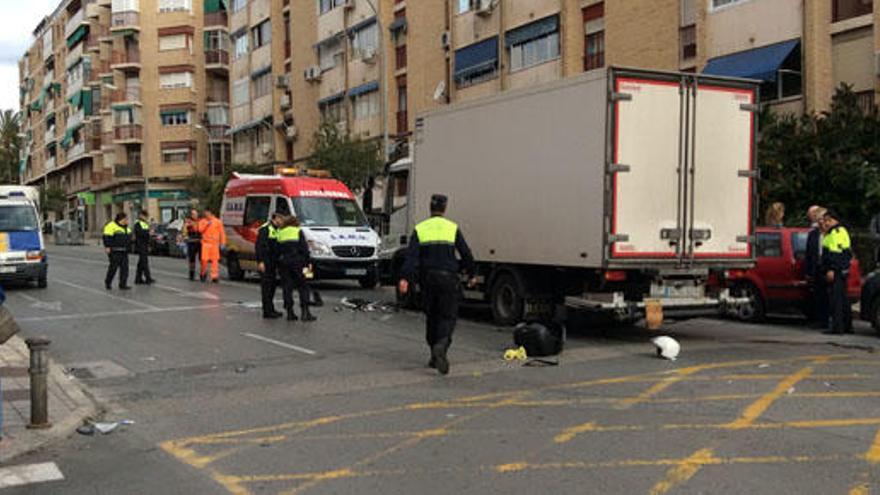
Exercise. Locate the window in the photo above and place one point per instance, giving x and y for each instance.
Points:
(717, 4)
(218, 115)
(842, 10)
(476, 63)
(799, 244)
(124, 116)
(366, 39)
(330, 53)
(769, 245)
(282, 206)
(176, 155)
(534, 43)
(175, 5)
(328, 212)
(216, 40)
(594, 30)
(122, 6)
(175, 80)
(332, 111)
(240, 92)
(241, 44)
(175, 117)
(174, 42)
(467, 5)
(263, 85)
(688, 42)
(366, 106)
(325, 6)
(262, 34)
(238, 5)
(18, 218)
(256, 210)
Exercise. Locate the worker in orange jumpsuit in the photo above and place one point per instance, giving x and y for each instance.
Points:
(213, 238)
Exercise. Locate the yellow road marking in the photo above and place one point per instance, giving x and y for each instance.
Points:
(655, 389)
(860, 489)
(684, 471)
(757, 408)
(569, 433)
(873, 453)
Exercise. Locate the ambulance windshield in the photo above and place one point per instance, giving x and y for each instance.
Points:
(328, 212)
(17, 218)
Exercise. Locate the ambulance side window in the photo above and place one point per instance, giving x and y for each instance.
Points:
(282, 205)
(256, 210)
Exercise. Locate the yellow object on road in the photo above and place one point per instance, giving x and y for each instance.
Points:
(515, 354)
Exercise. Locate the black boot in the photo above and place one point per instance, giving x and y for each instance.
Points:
(203, 277)
(307, 315)
(272, 315)
(291, 316)
(438, 355)
(192, 274)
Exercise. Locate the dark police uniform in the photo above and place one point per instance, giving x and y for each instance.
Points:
(293, 256)
(193, 244)
(836, 257)
(816, 278)
(267, 253)
(431, 257)
(117, 238)
(142, 248)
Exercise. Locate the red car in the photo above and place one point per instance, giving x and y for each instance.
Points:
(777, 283)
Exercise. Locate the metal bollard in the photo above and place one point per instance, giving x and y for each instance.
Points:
(39, 372)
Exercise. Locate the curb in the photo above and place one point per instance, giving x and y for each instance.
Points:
(32, 440)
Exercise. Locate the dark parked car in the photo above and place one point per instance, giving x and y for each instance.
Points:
(870, 301)
(159, 240)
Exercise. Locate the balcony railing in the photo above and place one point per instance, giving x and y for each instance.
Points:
(125, 19)
(218, 131)
(101, 178)
(123, 170)
(842, 10)
(216, 19)
(49, 135)
(76, 118)
(127, 94)
(76, 151)
(128, 132)
(216, 57)
(120, 57)
(96, 32)
(219, 95)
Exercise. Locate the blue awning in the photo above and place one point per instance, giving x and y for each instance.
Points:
(331, 99)
(363, 89)
(531, 31)
(758, 63)
(249, 126)
(397, 25)
(260, 72)
(476, 57)
(361, 25)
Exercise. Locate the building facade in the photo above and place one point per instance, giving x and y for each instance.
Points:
(124, 101)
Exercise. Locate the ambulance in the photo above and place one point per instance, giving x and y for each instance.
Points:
(22, 247)
(342, 244)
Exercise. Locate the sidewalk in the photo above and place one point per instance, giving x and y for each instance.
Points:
(68, 404)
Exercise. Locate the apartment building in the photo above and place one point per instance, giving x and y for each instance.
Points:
(125, 100)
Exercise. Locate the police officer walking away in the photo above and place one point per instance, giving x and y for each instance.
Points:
(142, 248)
(293, 257)
(431, 257)
(836, 258)
(267, 259)
(193, 238)
(117, 238)
(813, 268)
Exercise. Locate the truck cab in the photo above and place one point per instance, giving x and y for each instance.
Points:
(22, 248)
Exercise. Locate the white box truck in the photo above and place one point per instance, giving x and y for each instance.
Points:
(611, 191)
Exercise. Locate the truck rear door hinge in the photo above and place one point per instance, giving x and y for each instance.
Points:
(753, 174)
(747, 239)
(615, 168)
(618, 238)
(621, 97)
(749, 107)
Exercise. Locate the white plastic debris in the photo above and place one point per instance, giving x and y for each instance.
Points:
(764, 365)
(667, 347)
(105, 428)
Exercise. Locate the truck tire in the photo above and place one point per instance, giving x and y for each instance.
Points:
(756, 311)
(507, 300)
(234, 268)
(42, 281)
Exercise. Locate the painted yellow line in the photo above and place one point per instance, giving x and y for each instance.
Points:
(873, 453)
(683, 472)
(654, 390)
(860, 489)
(757, 408)
(569, 433)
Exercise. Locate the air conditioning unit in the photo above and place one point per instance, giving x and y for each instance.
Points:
(368, 55)
(291, 132)
(485, 7)
(445, 40)
(348, 4)
(313, 73)
(283, 82)
(285, 102)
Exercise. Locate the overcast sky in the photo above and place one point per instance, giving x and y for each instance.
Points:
(18, 18)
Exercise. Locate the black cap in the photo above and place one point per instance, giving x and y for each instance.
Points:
(833, 214)
(438, 202)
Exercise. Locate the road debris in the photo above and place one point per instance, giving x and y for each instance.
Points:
(518, 354)
(667, 347)
(366, 306)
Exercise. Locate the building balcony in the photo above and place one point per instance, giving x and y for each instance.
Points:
(128, 133)
(217, 96)
(127, 95)
(101, 178)
(76, 152)
(125, 20)
(216, 19)
(218, 132)
(128, 170)
(76, 118)
(75, 22)
(49, 163)
(217, 60)
(49, 136)
(97, 33)
(121, 59)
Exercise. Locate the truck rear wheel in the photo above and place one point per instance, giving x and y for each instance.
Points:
(507, 300)
(754, 311)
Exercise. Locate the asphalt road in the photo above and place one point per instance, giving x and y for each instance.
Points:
(225, 402)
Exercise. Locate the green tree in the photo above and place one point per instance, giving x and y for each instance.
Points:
(831, 158)
(10, 144)
(350, 160)
(53, 199)
(208, 191)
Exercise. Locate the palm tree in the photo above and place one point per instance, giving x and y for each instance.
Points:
(10, 144)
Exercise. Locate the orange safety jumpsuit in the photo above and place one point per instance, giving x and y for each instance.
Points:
(213, 236)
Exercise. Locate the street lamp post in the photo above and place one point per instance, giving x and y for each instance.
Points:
(383, 67)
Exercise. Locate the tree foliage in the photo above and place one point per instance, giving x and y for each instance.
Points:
(10, 144)
(53, 199)
(208, 191)
(831, 159)
(350, 160)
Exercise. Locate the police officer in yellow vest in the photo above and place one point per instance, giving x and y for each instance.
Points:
(117, 238)
(142, 248)
(431, 258)
(836, 259)
(293, 257)
(266, 249)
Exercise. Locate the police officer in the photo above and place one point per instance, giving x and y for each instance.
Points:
(117, 239)
(142, 248)
(293, 257)
(193, 237)
(267, 259)
(431, 257)
(836, 259)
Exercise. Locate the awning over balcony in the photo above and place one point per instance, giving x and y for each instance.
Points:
(331, 99)
(398, 24)
(761, 63)
(363, 89)
(212, 6)
(531, 31)
(475, 58)
(77, 36)
(248, 126)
